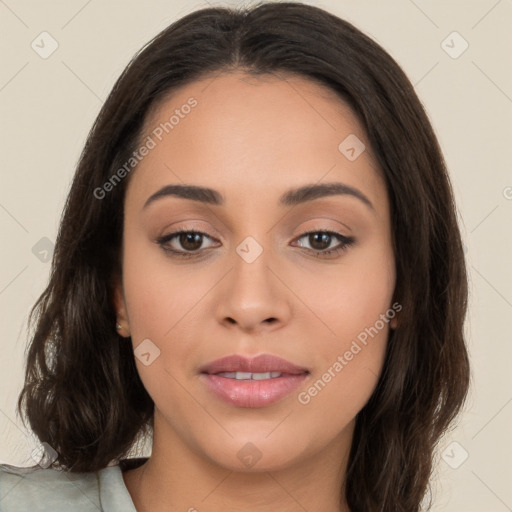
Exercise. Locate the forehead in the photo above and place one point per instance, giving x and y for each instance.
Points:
(252, 133)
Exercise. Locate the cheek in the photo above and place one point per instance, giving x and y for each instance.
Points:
(353, 309)
(162, 303)
(162, 307)
(349, 360)
(348, 298)
(160, 293)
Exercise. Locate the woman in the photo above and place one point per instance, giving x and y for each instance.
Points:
(258, 265)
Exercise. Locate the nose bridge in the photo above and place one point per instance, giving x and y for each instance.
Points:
(251, 266)
(252, 293)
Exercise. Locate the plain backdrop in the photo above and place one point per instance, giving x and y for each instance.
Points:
(47, 106)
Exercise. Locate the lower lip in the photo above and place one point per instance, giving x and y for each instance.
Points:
(252, 393)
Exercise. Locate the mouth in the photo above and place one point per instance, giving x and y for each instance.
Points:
(250, 376)
(252, 382)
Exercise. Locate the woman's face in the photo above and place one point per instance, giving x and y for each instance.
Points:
(254, 281)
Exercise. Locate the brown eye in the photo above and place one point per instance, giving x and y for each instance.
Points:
(320, 243)
(186, 243)
(190, 241)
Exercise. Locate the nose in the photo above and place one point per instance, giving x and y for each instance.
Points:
(254, 296)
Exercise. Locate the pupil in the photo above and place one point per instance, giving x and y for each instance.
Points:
(323, 238)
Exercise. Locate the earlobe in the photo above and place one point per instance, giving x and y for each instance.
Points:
(122, 324)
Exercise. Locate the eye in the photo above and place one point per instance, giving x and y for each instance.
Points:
(320, 242)
(190, 243)
(189, 240)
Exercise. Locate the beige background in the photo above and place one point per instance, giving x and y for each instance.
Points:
(48, 106)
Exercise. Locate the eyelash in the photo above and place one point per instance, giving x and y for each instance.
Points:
(346, 242)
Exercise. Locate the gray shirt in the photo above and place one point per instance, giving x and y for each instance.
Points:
(39, 489)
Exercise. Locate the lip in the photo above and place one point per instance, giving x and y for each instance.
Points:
(252, 393)
(260, 364)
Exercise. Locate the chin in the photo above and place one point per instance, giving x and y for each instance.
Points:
(243, 455)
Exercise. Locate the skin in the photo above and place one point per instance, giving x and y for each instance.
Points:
(251, 140)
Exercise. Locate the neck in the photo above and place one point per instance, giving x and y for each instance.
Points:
(178, 478)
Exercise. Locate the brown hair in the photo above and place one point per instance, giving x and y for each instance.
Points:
(82, 393)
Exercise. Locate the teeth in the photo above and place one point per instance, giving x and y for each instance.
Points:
(261, 376)
(249, 375)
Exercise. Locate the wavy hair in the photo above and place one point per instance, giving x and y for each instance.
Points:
(82, 394)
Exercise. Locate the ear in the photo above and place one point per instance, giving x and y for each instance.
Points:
(394, 322)
(120, 307)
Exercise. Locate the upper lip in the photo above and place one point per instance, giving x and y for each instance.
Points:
(260, 364)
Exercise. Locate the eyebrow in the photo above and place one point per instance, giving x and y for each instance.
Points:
(292, 197)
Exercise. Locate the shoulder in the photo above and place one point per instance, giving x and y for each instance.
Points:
(37, 489)
(41, 489)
